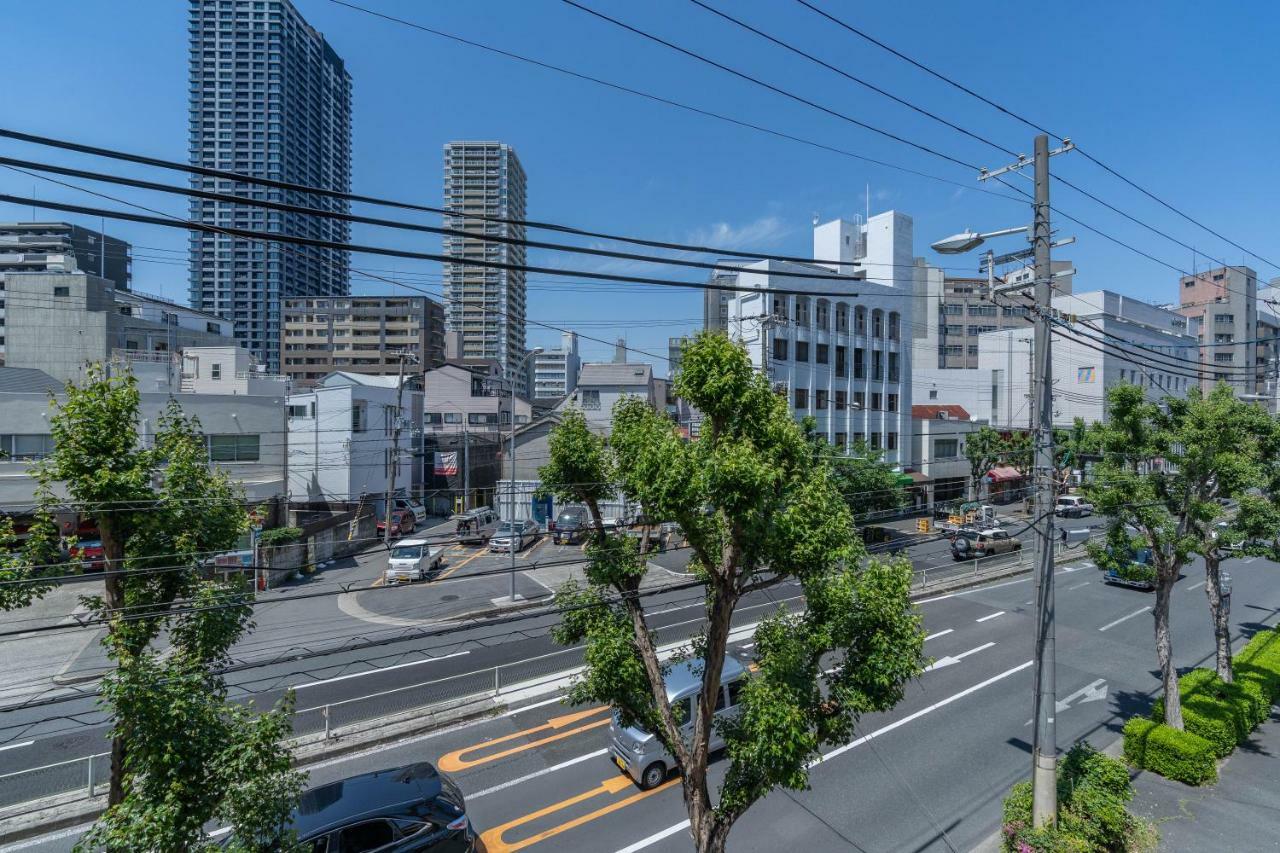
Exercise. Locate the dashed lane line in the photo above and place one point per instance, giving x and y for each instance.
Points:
(991, 616)
(1110, 625)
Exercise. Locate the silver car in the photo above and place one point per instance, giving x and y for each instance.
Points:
(641, 755)
(514, 535)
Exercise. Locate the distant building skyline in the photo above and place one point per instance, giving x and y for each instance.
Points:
(270, 99)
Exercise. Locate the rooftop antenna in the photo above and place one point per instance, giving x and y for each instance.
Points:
(815, 219)
(868, 201)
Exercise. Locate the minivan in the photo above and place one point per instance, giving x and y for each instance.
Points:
(1068, 506)
(641, 755)
(475, 526)
(570, 525)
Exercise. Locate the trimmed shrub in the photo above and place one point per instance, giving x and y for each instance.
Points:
(1182, 756)
(1221, 713)
(1257, 668)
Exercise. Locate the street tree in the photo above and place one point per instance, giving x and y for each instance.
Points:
(867, 483)
(181, 753)
(984, 449)
(757, 509)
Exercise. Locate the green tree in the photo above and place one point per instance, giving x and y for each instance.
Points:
(181, 754)
(1019, 452)
(984, 449)
(758, 508)
(867, 482)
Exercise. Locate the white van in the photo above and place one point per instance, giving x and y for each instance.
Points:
(412, 560)
(641, 755)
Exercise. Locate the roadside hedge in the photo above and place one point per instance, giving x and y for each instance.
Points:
(1221, 713)
(1177, 755)
(1093, 790)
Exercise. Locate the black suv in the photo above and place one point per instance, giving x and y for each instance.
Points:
(410, 808)
(570, 525)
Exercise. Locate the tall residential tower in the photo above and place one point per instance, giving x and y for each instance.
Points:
(486, 305)
(269, 99)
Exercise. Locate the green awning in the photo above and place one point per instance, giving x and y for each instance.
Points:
(905, 480)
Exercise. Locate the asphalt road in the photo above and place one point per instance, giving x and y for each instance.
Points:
(928, 775)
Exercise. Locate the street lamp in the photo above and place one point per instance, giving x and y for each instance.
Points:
(966, 240)
(511, 539)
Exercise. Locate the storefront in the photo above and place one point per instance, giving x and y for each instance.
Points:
(1005, 485)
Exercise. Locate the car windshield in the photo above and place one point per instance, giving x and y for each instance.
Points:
(505, 528)
(406, 552)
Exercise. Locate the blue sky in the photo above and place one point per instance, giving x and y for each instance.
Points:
(1178, 97)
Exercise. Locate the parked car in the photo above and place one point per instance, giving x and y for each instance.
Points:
(571, 525)
(412, 560)
(514, 536)
(89, 554)
(401, 523)
(398, 810)
(1135, 570)
(475, 526)
(970, 544)
(414, 506)
(1072, 506)
(641, 755)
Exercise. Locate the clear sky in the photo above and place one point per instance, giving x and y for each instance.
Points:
(1178, 96)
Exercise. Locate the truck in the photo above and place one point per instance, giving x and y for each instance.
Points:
(413, 560)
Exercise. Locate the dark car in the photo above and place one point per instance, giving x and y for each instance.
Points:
(570, 525)
(411, 808)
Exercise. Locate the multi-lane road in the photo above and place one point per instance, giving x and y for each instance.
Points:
(928, 775)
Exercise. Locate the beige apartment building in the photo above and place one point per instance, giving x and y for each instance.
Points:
(360, 334)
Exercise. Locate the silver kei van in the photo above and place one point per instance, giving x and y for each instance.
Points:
(641, 755)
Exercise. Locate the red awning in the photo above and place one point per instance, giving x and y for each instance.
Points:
(1003, 474)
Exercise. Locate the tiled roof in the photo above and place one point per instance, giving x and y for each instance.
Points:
(953, 412)
(28, 380)
(615, 374)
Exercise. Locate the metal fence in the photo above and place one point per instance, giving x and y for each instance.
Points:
(88, 776)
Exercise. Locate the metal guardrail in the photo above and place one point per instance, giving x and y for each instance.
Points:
(88, 775)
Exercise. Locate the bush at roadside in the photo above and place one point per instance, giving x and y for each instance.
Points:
(1177, 755)
(1093, 791)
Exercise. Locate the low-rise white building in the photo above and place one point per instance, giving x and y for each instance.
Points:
(937, 450)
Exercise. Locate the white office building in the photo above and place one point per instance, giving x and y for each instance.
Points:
(555, 371)
(844, 360)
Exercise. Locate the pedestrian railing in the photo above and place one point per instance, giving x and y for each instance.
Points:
(86, 776)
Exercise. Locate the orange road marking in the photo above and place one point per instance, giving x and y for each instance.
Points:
(455, 761)
(492, 840)
(453, 569)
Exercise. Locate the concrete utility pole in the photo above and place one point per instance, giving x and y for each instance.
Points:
(395, 449)
(1044, 779)
(512, 490)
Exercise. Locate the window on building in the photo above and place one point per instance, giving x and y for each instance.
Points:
(842, 440)
(1224, 318)
(877, 324)
(591, 399)
(801, 398)
(876, 399)
(945, 448)
(820, 399)
(780, 307)
(982, 311)
(891, 401)
(859, 320)
(952, 310)
(894, 323)
(1223, 357)
(61, 290)
(875, 441)
(893, 367)
(859, 399)
(973, 349)
(1191, 282)
(453, 417)
(859, 438)
(359, 417)
(877, 365)
(297, 410)
(433, 418)
(484, 418)
(821, 316)
(933, 393)
(821, 353)
(232, 448)
(842, 401)
(25, 448)
(802, 351)
(859, 363)
(213, 328)
(802, 311)
(779, 349)
(891, 441)
(215, 371)
(842, 317)
(842, 361)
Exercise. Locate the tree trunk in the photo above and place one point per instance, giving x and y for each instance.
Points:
(1164, 653)
(710, 834)
(113, 597)
(1220, 611)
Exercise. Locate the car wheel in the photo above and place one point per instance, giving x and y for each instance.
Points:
(653, 776)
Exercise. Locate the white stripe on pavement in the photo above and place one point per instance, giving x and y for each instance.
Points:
(380, 669)
(992, 616)
(937, 634)
(1077, 586)
(674, 828)
(1195, 586)
(534, 775)
(1123, 618)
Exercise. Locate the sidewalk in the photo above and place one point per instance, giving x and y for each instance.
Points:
(1240, 812)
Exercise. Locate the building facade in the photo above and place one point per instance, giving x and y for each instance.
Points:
(269, 99)
(1225, 302)
(60, 247)
(360, 334)
(937, 450)
(58, 322)
(486, 305)
(844, 361)
(1155, 339)
(555, 371)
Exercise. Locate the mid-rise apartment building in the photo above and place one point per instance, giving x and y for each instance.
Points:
(845, 361)
(555, 371)
(1225, 302)
(269, 98)
(483, 184)
(360, 334)
(60, 247)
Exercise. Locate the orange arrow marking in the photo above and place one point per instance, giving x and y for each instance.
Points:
(455, 761)
(492, 840)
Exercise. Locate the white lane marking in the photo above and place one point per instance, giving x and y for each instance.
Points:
(1123, 618)
(674, 828)
(948, 660)
(656, 837)
(1195, 586)
(749, 645)
(534, 775)
(524, 708)
(937, 634)
(1248, 560)
(382, 669)
(17, 745)
(1077, 586)
(46, 839)
(992, 616)
(838, 751)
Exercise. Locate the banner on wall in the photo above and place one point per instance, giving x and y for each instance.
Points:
(446, 464)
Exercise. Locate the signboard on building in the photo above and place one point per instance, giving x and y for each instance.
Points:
(446, 464)
(1086, 375)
